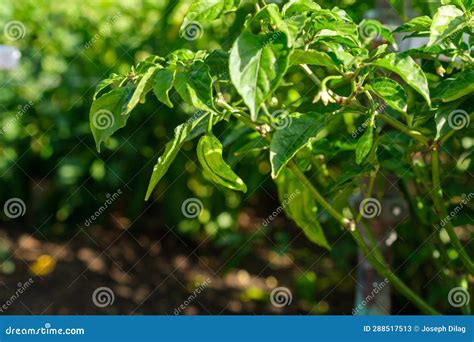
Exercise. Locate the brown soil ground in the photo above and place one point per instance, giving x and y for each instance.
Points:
(155, 270)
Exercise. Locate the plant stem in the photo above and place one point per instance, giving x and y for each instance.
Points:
(345, 222)
(405, 129)
(437, 195)
(367, 228)
(397, 283)
(447, 136)
(265, 109)
(370, 189)
(210, 124)
(310, 74)
(373, 242)
(239, 114)
(380, 266)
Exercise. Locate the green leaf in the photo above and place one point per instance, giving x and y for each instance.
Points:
(164, 81)
(335, 25)
(143, 87)
(349, 177)
(391, 92)
(256, 145)
(181, 55)
(257, 65)
(469, 4)
(459, 3)
(194, 85)
(447, 21)
(448, 117)
(293, 7)
(312, 57)
(416, 25)
(342, 57)
(425, 52)
(300, 206)
(408, 70)
(203, 126)
(296, 26)
(106, 114)
(113, 79)
(339, 35)
(287, 141)
(147, 63)
(270, 16)
(208, 10)
(370, 29)
(171, 151)
(452, 89)
(364, 144)
(335, 14)
(218, 62)
(378, 51)
(209, 152)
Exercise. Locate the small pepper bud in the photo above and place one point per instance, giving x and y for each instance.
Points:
(325, 97)
(439, 68)
(263, 129)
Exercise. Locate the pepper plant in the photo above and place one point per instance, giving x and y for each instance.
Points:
(333, 105)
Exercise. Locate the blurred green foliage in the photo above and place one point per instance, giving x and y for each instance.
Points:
(47, 156)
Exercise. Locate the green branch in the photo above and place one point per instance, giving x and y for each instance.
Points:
(345, 222)
(437, 195)
(405, 129)
(380, 266)
(310, 74)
